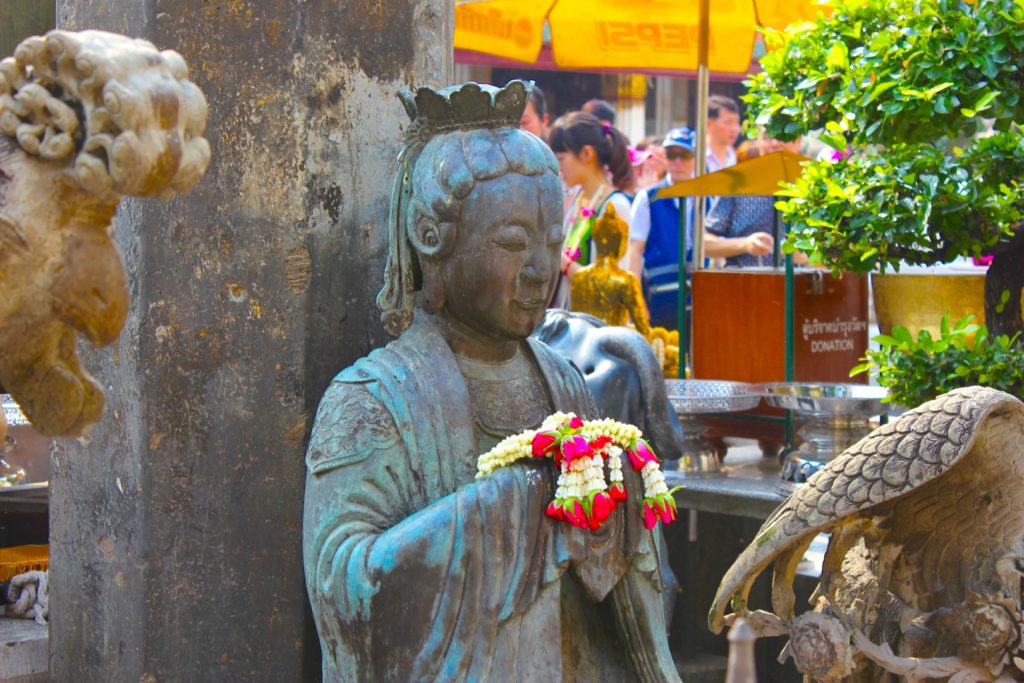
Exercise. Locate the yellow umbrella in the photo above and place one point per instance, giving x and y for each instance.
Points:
(611, 34)
(757, 176)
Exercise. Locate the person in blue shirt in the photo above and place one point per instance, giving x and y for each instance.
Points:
(654, 254)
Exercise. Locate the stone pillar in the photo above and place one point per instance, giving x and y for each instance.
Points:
(176, 525)
(628, 93)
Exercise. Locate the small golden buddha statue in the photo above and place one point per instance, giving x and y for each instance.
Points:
(613, 294)
(604, 289)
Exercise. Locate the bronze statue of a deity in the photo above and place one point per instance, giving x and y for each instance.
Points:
(416, 570)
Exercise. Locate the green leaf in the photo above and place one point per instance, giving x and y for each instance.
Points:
(879, 89)
(932, 92)
(809, 83)
(902, 334)
(1004, 298)
(986, 100)
(884, 340)
(863, 367)
(838, 58)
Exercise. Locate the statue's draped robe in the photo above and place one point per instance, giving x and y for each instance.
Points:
(416, 571)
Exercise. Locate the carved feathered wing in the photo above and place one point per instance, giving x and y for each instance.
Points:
(945, 481)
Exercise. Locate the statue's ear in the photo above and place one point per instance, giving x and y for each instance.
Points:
(431, 238)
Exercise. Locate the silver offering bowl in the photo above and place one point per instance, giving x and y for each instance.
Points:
(836, 416)
(692, 398)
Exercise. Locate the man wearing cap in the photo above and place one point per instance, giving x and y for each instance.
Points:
(654, 253)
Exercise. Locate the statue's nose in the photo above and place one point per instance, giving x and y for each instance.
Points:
(531, 274)
(540, 267)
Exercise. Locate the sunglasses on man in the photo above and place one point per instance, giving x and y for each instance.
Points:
(675, 154)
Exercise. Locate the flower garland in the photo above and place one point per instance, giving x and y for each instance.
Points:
(584, 498)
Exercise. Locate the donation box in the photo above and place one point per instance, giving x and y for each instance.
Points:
(739, 325)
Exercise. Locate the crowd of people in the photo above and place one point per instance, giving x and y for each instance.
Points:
(600, 168)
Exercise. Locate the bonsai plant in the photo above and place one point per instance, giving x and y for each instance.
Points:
(920, 98)
(964, 354)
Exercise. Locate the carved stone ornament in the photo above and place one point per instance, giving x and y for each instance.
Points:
(922, 576)
(84, 119)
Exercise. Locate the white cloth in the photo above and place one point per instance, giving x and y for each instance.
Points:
(31, 595)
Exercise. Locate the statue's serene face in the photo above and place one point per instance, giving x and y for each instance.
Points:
(504, 264)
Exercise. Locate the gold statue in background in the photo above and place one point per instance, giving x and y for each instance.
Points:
(666, 348)
(609, 292)
(604, 289)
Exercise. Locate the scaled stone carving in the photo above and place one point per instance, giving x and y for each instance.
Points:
(922, 577)
(84, 119)
(417, 571)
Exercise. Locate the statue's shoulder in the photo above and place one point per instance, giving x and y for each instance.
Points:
(352, 422)
(559, 370)
(550, 356)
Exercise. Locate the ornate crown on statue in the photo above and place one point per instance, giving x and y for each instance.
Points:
(464, 107)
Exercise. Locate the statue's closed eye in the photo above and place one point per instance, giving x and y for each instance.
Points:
(511, 238)
(513, 245)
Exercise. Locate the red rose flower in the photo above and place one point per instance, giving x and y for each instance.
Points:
(544, 443)
(617, 491)
(650, 516)
(575, 447)
(640, 454)
(601, 508)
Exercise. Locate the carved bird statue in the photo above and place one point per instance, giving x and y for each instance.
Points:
(922, 576)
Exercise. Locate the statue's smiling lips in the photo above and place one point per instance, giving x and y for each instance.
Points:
(530, 304)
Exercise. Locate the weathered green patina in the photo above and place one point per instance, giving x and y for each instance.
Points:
(415, 570)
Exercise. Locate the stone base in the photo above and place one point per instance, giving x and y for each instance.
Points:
(26, 650)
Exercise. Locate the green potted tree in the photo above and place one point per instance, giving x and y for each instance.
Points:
(921, 100)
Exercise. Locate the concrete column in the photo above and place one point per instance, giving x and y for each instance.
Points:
(662, 105)
(630, 93)
(176, 525)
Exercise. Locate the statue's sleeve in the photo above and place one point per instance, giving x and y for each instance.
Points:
(402, 587)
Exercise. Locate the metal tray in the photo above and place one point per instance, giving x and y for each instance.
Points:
(697, 396)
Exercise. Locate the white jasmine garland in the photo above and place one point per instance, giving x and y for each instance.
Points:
(583, 496)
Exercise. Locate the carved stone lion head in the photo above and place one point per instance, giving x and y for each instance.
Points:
(84, 119)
